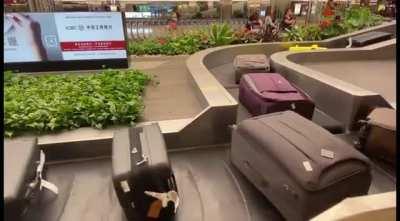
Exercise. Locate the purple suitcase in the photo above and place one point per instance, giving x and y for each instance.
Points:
(263, 93)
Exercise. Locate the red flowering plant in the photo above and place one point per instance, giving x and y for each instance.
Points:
(325, 23)
(162, 41)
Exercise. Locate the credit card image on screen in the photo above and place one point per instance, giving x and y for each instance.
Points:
(38, 37)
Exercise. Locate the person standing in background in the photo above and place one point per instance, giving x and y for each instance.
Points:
(270, 28)
(289, 20)
(255, 23)
(174, 19)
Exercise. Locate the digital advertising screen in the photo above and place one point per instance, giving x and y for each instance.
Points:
(137, 14)
(71, 36)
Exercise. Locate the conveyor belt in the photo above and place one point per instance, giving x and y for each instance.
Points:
(210, 189)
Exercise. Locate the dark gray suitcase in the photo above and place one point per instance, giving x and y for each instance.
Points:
(142, 175)
(250, 63)
(378, 135)
(300, 167)
(23, 177)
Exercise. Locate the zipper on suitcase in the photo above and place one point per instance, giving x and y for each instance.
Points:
(136, 142)
(263, 182)
(290, 190)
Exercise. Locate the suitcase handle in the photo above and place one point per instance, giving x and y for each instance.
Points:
(144, 160)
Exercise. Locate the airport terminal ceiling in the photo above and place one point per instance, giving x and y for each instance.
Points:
(134, 1)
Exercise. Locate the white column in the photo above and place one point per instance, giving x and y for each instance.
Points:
(226, 9)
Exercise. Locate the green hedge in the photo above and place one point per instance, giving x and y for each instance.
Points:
(186, 43)
(54, 102)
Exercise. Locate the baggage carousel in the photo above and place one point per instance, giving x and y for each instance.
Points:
(344, 83)
(209, 186)
(377, 75)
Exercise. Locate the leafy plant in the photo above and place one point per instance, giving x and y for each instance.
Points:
(332, 30)
(148, 46)
(186, 43)
(297, 33)
(54, 102)
(356, 18)
(220, 34)
(244, 37)
(313, 33)
(351, 19)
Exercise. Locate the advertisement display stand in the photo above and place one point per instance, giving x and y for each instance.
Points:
(64, 41)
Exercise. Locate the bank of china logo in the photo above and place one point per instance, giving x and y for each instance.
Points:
(77, 27)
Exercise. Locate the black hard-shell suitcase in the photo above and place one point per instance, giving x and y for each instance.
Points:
(300, 167)
(143, 179)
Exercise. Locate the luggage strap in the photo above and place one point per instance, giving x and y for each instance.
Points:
(171, 196)
(39, 179)
(350, 40)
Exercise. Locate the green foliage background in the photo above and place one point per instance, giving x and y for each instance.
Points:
(186, 43)
(54, 102)
(352, 19)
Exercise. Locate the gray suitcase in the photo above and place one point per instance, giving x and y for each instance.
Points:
(250, 63)
(299, 166)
